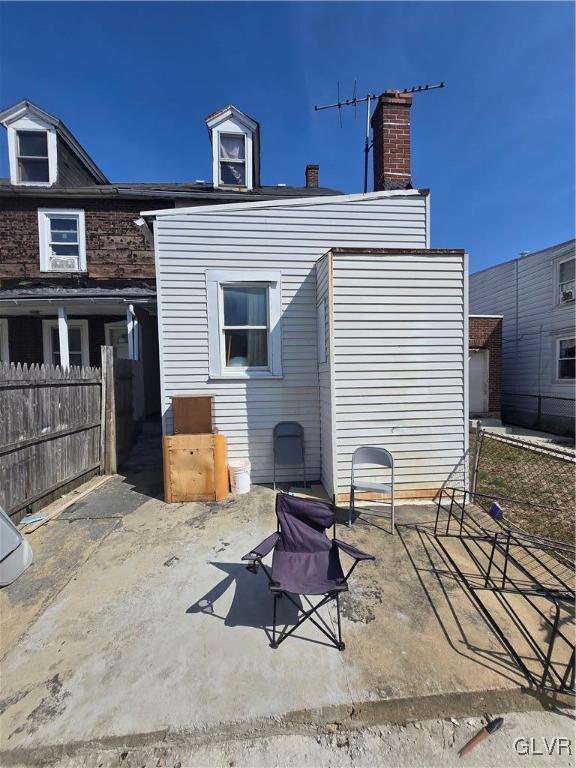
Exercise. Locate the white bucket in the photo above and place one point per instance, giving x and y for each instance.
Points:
(239, 470)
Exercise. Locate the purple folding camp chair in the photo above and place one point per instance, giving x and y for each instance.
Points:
(305, 561)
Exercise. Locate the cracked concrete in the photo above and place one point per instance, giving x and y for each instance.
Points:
(153, 626)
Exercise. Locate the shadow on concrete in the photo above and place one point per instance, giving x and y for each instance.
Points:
(142, 471)
(447, 597)
(252, 603)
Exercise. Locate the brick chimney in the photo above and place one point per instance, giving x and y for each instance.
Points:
(312, 172)
(391, 141)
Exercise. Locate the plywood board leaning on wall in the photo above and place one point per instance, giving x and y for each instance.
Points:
(195, 468)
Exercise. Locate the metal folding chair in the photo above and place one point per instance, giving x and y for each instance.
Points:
(288, 439)
(375, 456)
(305, 561)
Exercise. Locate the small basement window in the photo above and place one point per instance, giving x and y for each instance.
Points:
(566, 281)
(244, 323)
(32, 157)
(566, 358)
(62, 240)
(232, 159)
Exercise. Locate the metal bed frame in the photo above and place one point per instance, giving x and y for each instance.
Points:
(510, 562)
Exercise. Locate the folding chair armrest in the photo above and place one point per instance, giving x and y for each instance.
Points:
(357, 554)
(263, 548)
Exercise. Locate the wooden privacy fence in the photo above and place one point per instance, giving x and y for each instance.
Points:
(58, 427)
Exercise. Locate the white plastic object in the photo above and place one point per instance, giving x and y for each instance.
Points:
(15, 551)
(239, 470)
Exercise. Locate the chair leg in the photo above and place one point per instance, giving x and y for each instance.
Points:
(393, 528)
(274, 644)
(341, 645)
(351, 506)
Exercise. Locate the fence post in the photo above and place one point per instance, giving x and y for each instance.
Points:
(475, 460)
(108, 425)
(539, 413)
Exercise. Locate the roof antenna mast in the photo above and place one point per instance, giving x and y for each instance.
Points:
(354, 101)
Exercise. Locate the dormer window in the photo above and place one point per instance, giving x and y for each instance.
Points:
(32, 157)
(235, 149)
(232, 159)
(42, 151)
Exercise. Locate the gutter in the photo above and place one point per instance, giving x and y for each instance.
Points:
(86, 299)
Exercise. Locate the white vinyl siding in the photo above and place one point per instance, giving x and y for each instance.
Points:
(525, 292)
(399, 363)
(289, 237)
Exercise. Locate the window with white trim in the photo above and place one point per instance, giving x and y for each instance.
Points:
(32, 158)
(232, 159)
(244, 328)
(78, 349)
(566, 281)
(62, 240)
(566, 358)
(244, 323)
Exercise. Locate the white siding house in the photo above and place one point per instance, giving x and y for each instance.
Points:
(397, 353)
(535, 295)
(229, 276)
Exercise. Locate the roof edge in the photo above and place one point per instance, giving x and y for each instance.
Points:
(317, 200)
(402, 251)
(566, 243)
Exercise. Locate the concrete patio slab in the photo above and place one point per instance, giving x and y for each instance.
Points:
(162, 629)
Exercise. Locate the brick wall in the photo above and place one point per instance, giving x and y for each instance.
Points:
(486, 333)
(391, 141)
(312, 175)
(115, 247)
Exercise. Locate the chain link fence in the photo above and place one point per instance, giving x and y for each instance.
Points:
(551, 414)
(534, 484)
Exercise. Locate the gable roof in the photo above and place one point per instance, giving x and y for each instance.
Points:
(24, 107)
(231, 111)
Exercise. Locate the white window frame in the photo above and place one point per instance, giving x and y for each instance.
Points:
(4, 342)
(47, 326)
(215, 281)
(26, 125)
(44, 217)
(232, 122)
(558, 284)
(562, 380)
(232, 134)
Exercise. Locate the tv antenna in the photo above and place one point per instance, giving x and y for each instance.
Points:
(368, 99)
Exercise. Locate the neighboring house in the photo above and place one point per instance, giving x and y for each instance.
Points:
(333, 312)
(485, 366)
(77, 262)
(535, 296)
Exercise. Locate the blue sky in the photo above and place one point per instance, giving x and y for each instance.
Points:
(135, 81)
